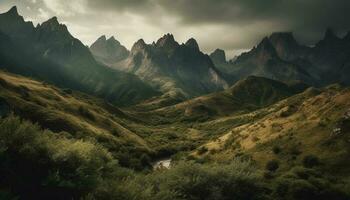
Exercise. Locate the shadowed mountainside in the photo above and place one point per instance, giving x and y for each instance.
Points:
(49, 52)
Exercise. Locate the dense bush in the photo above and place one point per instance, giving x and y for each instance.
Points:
(191, 181)
(310, 161)
(272, 165)
(306, 184)
(42, 164)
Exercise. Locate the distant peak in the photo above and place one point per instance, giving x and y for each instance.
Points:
(220, 51)
(102, 38)
(166, 41)
(141, 41)
(266, 46)
(53, 21)
(169, 36)
(283, 41)
(347, 36)
(218, 56)
(140, 44)
(265, 42)
(53, 25)
(330, 34)
(283, 36)
(192, 43)
(113, 40)
(13, 11)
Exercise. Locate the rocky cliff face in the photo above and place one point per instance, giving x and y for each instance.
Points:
(108, 51)
(175, 68)
(282, 58)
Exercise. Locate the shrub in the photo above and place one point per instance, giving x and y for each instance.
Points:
(276, 149)
(272, 165)
(50, 164)
(191, 181)
(310, 161)
(313, 188)
(294, 150)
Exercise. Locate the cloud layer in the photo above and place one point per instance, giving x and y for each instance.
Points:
(233, 25)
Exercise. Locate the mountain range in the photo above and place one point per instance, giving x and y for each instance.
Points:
(281, 57)
(173, 68)
(50, 53)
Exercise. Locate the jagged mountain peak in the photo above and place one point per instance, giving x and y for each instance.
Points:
(330, 39)
(102, 38)
(53, 20)
(347, 36)
(13, 15)
(13, 24)
(113, 41)
(167, 41)
(218, 56)
(13, 11)
(53, 25)
(330, 34)
(266, 46)
(108, 51)
(192, 43)
(139, 45)
(283, 37)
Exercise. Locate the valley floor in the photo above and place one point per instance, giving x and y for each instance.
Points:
(62, 144)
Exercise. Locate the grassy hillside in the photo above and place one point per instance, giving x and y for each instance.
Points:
(262, 142)
(245, 96)
(86, 117)
(311, 125)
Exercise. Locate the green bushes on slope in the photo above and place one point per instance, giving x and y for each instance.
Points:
(42, 164)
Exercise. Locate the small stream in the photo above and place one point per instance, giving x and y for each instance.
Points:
(163, 163)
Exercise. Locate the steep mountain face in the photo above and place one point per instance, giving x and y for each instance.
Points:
(15, 25)
(108, 51)
(50, 53)
(264, 60)
(219, 59)
(287, 47)
(331, 58)
(280, 57)
(173, 68)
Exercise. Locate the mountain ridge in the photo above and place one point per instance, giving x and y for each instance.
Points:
(177, 69)
(49, 52)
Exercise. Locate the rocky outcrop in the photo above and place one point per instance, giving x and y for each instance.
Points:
(108, 51)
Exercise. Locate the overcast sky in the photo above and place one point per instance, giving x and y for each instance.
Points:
(232, 25)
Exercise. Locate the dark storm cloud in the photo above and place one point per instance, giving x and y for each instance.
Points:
(122, 5)
(229, 24)
(309, 18)
(298, 13)
(303, 15)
